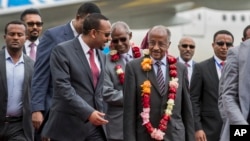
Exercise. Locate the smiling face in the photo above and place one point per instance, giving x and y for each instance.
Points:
(158, 42)
(120, 39)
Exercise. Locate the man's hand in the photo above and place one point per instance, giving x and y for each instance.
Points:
(200, 136)
(37, 119)
(96, 118)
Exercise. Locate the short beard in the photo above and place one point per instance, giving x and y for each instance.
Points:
(33, 38)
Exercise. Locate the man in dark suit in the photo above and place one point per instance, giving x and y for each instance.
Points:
(15, 72)
(33, 20)
(157, 105)
(204, 89)
(77, 68)
(41, 88)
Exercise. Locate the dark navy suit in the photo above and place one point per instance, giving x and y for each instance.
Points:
(42, 83)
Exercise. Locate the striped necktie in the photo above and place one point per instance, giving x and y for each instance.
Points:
(160, 78)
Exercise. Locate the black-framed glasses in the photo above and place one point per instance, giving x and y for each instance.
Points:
(38, 24)
(116, 41)
(187, 45)
(228, 44)
(106, 34)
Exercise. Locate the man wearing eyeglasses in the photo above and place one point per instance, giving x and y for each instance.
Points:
(33, 19)
(187, 48)
(204, 89)
(41, 87)
(113, 82)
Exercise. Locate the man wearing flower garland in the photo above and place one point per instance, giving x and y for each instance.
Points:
(122, 52)
(153, 109)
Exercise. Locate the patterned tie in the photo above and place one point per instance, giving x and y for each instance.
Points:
(126, 58)
(93, 66)
(32, 51)
(160, 78)
(187, 65)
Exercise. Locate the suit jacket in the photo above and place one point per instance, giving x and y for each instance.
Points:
(180, 126)
(26, 111)
(41, 88)
(204, 96)
(234, 100)
(113, 96)
(75, 97)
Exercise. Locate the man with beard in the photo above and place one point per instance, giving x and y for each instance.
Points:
(32, 18)
(187, 48)
(16, 70)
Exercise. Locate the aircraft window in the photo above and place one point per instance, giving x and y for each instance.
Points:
(199, 16)
(233, 18)
(224, 17)
(242, 18)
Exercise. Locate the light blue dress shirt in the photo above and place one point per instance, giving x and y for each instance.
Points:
(15, 79)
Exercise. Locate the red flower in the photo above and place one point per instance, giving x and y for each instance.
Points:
(173, 73)
(136, 52)
(172, 67)
(172, 90)
(172, 96)
(171, 59)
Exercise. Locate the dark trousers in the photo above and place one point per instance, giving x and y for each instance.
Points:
(97, 134)
(12, 132)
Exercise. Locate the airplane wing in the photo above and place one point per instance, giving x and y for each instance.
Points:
(139, 14)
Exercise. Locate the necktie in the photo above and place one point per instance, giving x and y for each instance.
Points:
(160, 78)
(222, 65)
(93, 66)
(186, 64)
(126, 58)
(32, 51)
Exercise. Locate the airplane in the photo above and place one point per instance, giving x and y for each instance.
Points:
(183, 17)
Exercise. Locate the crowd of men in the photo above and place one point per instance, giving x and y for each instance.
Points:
(62, 87)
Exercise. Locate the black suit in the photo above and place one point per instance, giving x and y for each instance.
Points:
(204, 96)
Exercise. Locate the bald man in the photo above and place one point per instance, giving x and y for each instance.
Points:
(187, 48)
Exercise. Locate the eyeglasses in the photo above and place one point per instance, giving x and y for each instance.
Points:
(106, 34)
(123, 39)
(186, 46)
(38, 24)
(223, 43)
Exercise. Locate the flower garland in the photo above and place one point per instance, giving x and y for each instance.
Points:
(115, 56)
(146, 64)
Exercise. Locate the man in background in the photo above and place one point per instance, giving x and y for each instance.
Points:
(33, 20)
(204, 89)
(187, 48)
(42, 87)
(113, 84)
(246, 33)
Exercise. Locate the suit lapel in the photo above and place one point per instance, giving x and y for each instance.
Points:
(213, 71)
(3, 71)
(68, 33)
(81, 55)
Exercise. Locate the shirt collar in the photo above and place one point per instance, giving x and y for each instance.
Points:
(217, 59)
(8, 57)
(182, 61)
(73, 28)
(28, 42)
